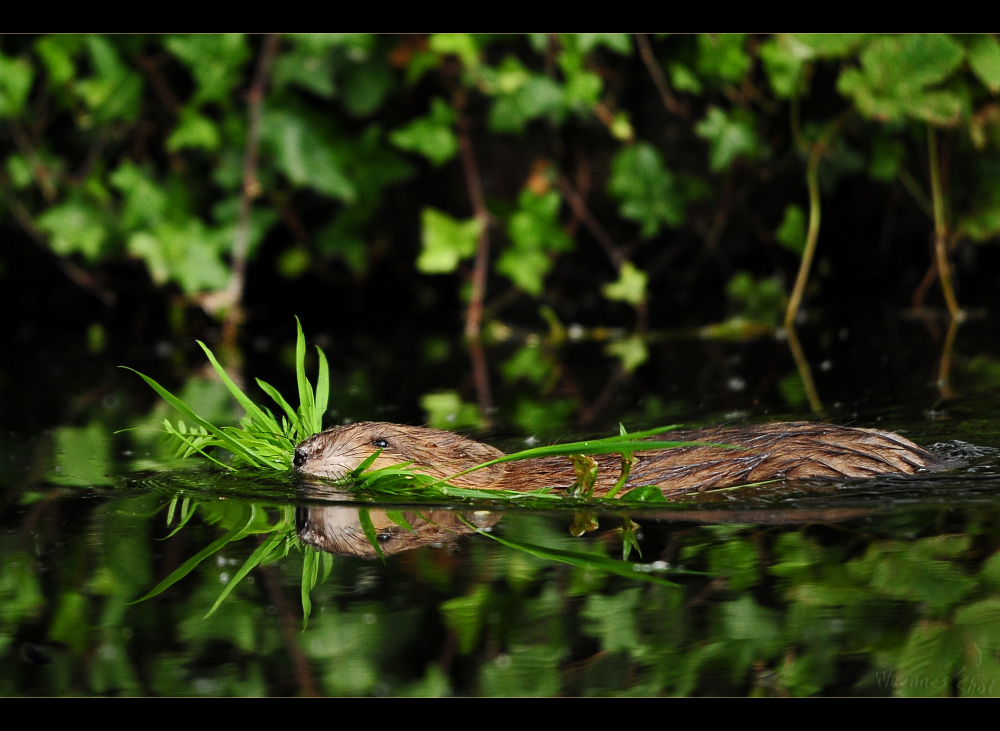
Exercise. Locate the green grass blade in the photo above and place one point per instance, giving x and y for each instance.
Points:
(583, 560)
(233, 534)
(265, 421)
(191, 444)
(369, 528)
(279, 399)
(306, 405)
(396, 516)
(310, 572)
(322, 391)
(227, 441)
(270, 546)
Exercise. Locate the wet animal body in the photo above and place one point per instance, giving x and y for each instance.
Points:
(755, 453)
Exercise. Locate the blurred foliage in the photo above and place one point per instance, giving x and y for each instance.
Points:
(120, 147)
(884, 606)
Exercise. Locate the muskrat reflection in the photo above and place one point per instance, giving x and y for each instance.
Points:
(796, 450)
(337, 529)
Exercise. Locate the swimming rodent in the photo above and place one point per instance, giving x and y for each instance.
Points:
(792, 450)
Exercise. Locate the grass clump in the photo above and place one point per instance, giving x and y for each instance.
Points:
(262, 440)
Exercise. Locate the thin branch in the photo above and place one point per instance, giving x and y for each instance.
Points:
(582, 212)
(817, 150)
(231, 297)
(77, 275)
(669, 102)
(474, 315)
(940, 226)
(39, 173)
(167, 97)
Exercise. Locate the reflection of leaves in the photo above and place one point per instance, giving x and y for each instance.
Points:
(630, 286)
(612, 619)
(632, 352)
(762, 300)
(919, 571)
(464, 615)
(83, 456)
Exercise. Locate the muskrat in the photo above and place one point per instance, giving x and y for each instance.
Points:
(795, 450)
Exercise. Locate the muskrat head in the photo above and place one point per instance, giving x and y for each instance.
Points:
(441, 454)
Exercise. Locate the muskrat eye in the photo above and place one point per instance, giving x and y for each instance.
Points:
(380, 443)
(383, 537)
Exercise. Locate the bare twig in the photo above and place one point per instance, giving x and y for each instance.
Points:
(231, 297)
(816, 152)
(77, 275)
(166, 95)
(39, 173)
(474, 315)
(940, 226)
(669, 102)
(582, 212)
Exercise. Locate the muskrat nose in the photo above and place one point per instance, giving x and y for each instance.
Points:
(300, 458)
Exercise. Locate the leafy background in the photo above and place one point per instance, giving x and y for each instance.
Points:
(645, 201)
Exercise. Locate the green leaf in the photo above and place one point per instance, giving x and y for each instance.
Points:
(645, 494)
(146, 202)
(114, 92)
(683, 79)
(619, 43)
(194, 131)
(432, 136)
(215, 60)
(648, 192)
(522, 97)
(791, 233)
(630, 286)
(632, 352)
(535, 233)
(465, 614)
(238, 531)
(445, 241)
(16, 78)
(366, 85)
(305, 153)
(369, 530)
(887, 157)
(729, 136)
(75, 226)
(783, 61)
(984, 58)
(721, 55)
(188, 253)
(896, 73)
(462, 45)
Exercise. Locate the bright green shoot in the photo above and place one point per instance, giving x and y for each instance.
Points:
(262, 440)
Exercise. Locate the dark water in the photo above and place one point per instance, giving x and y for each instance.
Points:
(878, 587)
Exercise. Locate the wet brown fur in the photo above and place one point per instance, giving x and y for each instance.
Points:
(796, 450)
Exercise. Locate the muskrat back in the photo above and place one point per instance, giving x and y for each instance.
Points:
(755, 453)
